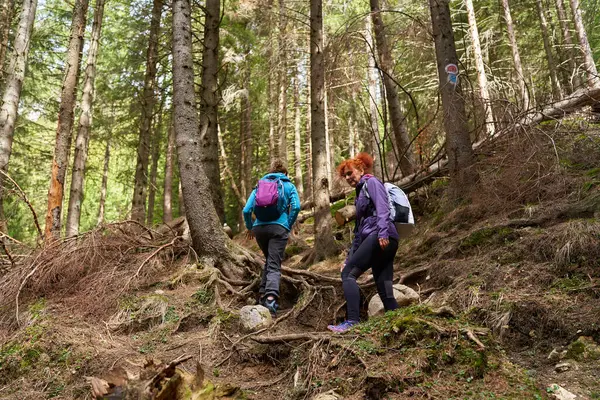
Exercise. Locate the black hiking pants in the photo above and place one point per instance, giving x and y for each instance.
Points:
(272, 240)
(370, 255)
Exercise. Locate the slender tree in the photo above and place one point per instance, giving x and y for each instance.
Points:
(12, 91)
(246, 133)
(138, 208)
(209, 100)
(397, 117)
(282, 83)
(207, 236)
(154, 168)
(372, 91)
(324, 242)
(481, 75)
(512, 39)
(65, 121)
(593, 79)
(168, 187)
(556, 90)
(458, 143)
(298, 181)
(6, 13)
(85, 124)
(570, 53)
(102, 201)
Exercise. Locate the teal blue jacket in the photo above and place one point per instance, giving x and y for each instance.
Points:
(288, 217)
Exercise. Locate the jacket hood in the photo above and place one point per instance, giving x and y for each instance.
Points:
(279, 175)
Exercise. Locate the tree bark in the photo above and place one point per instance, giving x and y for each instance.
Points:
(102, 202)
(570, 53)
(297, 140)
(373, 109)
(168, 184)
(209, 100)
(481, 75)
(397, 117)
(64, 135)
(140, 186)
(324, 243)
(282, 84)
(593, 79)
(6, 14)
(309, 194)
(85, 124)
(154, 168)
(208, 238)
(512, 39)
(236, 191)
(458, 143)
(548, 49)
(12, 92)
(246, 134)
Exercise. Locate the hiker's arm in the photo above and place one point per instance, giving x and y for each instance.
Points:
(248, 208)
(294, 206)
(379, 197)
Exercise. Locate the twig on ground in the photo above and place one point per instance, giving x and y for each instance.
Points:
(472, 336)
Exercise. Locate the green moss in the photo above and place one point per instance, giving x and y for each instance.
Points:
(486, 236)
(292, 250)
(203, 296)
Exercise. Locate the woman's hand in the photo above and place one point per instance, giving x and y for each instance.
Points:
(342, 267)
(383, 243)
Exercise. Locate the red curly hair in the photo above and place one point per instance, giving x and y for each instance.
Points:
(362, 161)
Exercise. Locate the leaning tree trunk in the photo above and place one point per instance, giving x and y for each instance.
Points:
(102, 201)
(282, 84)
(297, 140)
(570, 52)
(373, 109)
(65, 122)
(12, 92)
(590, 67)
(208, 239)
(208, 104)
(138, 208)
(5, 20)
(168, 187)
(85, 124)
(397, 117)
(548, 49)
(458, 143)
(512, 39)
(324, 243)
(481, 75)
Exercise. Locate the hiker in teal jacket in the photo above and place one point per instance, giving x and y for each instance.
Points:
(272, 233)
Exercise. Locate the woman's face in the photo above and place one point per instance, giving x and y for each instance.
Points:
(352, 175)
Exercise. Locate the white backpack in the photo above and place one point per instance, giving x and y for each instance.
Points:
(400, 210)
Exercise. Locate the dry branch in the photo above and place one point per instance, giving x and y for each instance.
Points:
(26, 200)
(291, 337)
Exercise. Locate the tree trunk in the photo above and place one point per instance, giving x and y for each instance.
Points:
(236, 191)
(154, 168)
(590, 67)
(208, 104)
(345, 214)
(373, 109)
(458, 143)
(85, 124)
(308, 157)
(297, 140)
(102, 201)
(548, 49)
(65, 121)
(481, 75)
(207, 235)
(12, 92)
(324, 243)
(168, 187)
(282, 84)
(246, 135)
(272, 145)
(512, 38)
(570, 53)
(328, 141)
(6, 14)
(138, 208)
(397, 117)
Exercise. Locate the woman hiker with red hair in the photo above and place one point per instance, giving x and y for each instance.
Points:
(375, 239)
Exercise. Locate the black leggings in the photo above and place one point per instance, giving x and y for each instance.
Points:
(370, 255)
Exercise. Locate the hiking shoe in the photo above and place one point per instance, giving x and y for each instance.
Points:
(271, 305)
(343, 327)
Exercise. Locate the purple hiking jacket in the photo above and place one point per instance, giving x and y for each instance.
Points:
(367, 223)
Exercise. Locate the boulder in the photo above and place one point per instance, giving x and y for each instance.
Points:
(404, 295)
(255, 317)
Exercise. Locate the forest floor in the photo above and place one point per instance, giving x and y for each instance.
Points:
(519, 267)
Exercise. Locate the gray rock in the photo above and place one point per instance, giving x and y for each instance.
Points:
(330, 395)
(255, 317)
(554, 356)
(404, 295)
(560, 393)
(562, 367)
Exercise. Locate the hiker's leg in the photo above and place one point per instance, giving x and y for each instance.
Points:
(278, 240)
(383, 274)
(262, 238)
(358, 263)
